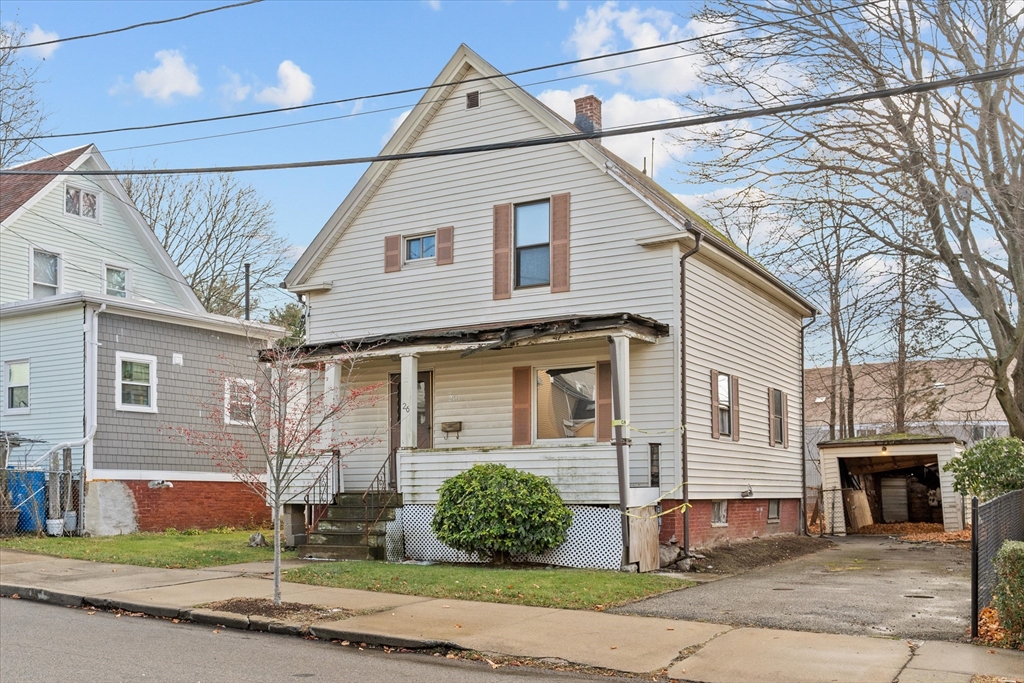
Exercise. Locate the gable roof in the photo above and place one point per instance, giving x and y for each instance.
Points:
(19, 193)
(17, 190)
(462, 62)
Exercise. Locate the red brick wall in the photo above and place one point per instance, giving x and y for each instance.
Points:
(198, 505)
(747, 518)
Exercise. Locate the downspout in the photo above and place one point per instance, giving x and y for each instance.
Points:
(92, 344)
(682, 358)
(802, 526)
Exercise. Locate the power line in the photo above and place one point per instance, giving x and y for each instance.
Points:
(821, 103)
(128, 28)
(406, 91)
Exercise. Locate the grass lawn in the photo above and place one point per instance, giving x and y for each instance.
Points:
(564, 588)
(173, 550)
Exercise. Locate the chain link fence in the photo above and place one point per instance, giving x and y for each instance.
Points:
(40, 501)
(992, 522)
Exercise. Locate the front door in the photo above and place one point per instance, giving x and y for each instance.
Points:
(424, 418)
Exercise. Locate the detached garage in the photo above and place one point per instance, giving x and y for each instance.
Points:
(889, 479)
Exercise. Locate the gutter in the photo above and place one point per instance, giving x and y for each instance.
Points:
(685, 474)
(802, 523)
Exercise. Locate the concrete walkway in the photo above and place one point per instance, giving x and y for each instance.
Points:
(714, 653)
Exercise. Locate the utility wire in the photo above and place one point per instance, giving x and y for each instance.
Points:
(821, 103)
(128, 28)
(406, 91)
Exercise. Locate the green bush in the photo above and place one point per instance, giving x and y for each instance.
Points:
(989, 468)
(498, 511)
(1009, 593)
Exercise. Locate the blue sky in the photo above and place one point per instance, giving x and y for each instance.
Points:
(287, 53)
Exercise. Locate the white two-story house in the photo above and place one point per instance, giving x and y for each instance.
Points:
(487, 293)
(105, 350)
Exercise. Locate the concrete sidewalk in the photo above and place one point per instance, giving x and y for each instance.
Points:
(714, 653)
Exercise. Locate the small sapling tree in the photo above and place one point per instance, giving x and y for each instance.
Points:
(275, 425)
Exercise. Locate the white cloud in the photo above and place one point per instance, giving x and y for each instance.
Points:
(294, 87)
(172, 77)
(395, 123)
(38, 35)
(609, 29)
(433, 4)
(233, 90)
(623, 110)
(563, 5)
(358, 107)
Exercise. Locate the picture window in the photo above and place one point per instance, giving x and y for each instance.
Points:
(533, 244)
(566, 403)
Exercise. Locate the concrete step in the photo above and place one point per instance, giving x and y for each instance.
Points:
(374, 540)
(351, 526)
(360, 513)
(356, 500)
(342, 552)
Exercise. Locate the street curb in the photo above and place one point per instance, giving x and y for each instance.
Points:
(231, 620)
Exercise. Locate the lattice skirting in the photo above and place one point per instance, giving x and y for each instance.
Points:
(594, 540)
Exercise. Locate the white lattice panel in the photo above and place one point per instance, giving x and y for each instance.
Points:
(594, 540)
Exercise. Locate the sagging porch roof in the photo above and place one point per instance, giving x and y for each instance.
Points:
(491, 336)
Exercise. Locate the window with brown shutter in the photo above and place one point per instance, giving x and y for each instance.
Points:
(392, 253)
(785, 420)
(715, 432)
(735, 407)
(522, 411)
(445, 247)
(778, 418)
(724, 414)
(603, 412)
(560, 243)
(502, 251)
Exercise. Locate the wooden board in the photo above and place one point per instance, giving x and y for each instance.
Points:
(857, 508)
(894, 500)
(643, 538)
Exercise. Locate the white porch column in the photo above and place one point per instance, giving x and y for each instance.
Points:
(621, 342)
(407, 409)
(332, 397)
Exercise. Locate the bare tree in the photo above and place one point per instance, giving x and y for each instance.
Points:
(952, 160)
(211, 226)
(295, 415)
(21, 110)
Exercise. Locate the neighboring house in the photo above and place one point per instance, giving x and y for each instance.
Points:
(949, 397)
(105, 349)
(488, 286)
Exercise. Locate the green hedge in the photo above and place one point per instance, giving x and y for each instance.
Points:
(1009, 593)
(498, 511)
(989, 468)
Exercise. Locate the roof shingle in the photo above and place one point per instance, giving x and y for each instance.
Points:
(15, 190)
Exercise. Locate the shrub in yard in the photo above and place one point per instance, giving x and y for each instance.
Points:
(498, 511)
(1009, 593)
(989, 468)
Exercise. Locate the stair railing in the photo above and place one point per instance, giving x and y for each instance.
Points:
(323, 488)
(378, 496)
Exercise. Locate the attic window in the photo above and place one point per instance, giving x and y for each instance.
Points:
(473, 99)
(81, 203)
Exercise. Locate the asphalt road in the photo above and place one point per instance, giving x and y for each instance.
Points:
(866, 585)
(40, 642)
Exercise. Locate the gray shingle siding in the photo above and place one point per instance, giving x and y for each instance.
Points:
(185, 393)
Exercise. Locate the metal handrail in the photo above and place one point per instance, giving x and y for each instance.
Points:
(323, 487)
(375, 493)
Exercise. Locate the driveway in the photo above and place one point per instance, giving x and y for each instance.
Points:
(865, 585)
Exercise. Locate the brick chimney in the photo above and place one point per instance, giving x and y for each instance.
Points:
(588, 114)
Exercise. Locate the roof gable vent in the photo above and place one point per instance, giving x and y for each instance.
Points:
(473, 99)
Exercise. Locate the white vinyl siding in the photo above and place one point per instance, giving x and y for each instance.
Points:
(54, 343)
(85, 247)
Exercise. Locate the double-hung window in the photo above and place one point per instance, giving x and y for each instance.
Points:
(238, 401)
(81, 203)
(533, 244)
(724, 404)
(17, 384)
(136, 382)
(420, 247)
(778, 423)
(115, 281)
(566, 403)
(45, 273)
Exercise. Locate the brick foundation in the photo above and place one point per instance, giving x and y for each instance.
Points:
(198, 505)
(747, 518)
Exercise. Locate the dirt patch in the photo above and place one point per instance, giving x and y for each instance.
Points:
(916, 532)
(289, 611)
(741, 556)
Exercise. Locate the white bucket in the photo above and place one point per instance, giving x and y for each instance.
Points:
(55, 527)
(71, 521)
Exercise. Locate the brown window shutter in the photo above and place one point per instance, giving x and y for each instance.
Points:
(522, 412)
(392, 253)
(715, 429)
(560, 243)
(771, 417)
(502, 251)
(785, 421)
(445, 252)
(603, 409)
(735, 408)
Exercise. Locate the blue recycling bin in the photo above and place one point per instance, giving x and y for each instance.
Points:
(28, 493)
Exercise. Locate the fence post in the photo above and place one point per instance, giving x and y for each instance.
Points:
(974, 566)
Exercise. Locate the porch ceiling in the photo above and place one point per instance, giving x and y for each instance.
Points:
(473, 338)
